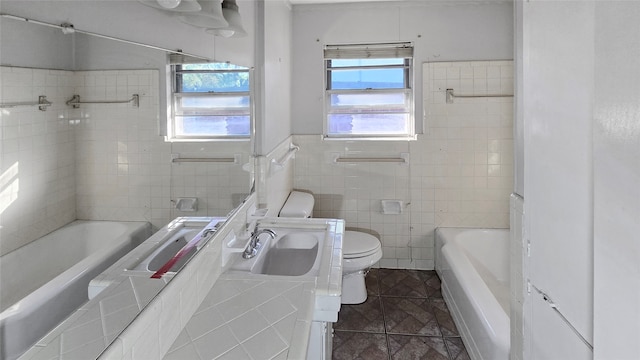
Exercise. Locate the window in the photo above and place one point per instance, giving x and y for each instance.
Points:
(369, 91)
(210, 101)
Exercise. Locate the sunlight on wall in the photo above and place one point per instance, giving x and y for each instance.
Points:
(9, 187)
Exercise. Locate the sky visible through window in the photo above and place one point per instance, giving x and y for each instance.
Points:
(225, 112)
(367, 78)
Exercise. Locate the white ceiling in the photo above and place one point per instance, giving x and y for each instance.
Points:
(297, 2)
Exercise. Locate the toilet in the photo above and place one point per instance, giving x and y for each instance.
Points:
(359, 250)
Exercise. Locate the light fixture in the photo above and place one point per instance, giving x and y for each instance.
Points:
(231, 14)
(210, 17)
(173, 5)
(169, 4)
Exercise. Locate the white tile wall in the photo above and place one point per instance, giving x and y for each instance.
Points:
(37, 167)
(219, 187)
(353, 191)
(101, 161)
(124, 167)
(460, 172)
(469, 142)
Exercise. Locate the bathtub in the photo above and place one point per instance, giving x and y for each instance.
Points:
(473, 265)
(44, 281)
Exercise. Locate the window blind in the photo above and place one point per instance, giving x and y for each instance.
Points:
(373, 51)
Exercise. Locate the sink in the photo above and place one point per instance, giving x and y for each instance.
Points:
(292, 253)
(167, 249)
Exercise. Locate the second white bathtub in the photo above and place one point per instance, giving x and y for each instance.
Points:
(473, 265)
(46, 280)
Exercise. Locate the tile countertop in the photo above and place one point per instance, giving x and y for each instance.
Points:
(117, 297)
(247, 316)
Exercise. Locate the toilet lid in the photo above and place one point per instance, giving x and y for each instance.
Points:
(358, 244)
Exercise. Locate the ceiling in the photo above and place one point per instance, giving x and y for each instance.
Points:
(298, 2)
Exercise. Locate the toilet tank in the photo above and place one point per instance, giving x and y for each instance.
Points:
(298, 205)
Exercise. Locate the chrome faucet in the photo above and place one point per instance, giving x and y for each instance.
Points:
(254, 243)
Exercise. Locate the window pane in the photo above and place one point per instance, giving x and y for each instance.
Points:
(215, 82)
(214, 102)
(368, 124)
(212, 125)
(376, 100)
(368, 79)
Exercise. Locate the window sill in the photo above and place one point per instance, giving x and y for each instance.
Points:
(194, 140)
(370, 138)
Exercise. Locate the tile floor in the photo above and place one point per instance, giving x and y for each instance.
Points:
(404, 318)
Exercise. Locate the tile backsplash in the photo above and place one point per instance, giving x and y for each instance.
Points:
(101, 161)
(460, 171)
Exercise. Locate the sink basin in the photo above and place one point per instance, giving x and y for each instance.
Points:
(291, 253)
(167, 249)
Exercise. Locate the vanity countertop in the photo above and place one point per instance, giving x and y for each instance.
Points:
(244, 317)
(247, 316)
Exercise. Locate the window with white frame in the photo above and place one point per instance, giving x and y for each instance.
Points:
(369, 91)
(211, 101)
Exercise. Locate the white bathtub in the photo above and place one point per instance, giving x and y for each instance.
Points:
(44, 281)
(473, 265)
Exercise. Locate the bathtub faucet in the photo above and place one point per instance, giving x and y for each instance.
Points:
(254, 243)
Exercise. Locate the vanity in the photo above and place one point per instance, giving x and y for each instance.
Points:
(271, 306)
(217, 304)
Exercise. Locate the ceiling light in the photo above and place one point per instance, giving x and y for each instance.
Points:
(210, 17)
(231, 14)
(173, 5)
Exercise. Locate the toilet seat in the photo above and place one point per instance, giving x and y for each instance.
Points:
(356, 244)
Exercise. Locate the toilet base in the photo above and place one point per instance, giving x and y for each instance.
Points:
(354, 290)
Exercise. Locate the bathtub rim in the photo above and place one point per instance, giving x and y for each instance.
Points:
(499, 329)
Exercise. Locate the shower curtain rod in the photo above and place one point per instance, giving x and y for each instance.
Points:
(68, 28)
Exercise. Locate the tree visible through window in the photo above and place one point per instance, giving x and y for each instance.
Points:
(369, 91)
(211, 101)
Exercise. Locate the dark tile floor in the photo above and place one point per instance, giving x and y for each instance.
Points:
(404, 318)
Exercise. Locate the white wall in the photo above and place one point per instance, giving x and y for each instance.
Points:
(518, 123)
(48, 47)
(616, 153)
(440, 31)
(273, 74)
(558, 173)
(126, 19)
(582, 140)
(557, 108)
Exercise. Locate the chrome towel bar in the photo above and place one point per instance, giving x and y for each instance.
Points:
(451, 96)
(403, 159)
(75, 101)
(175, 158)
(42, 103)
